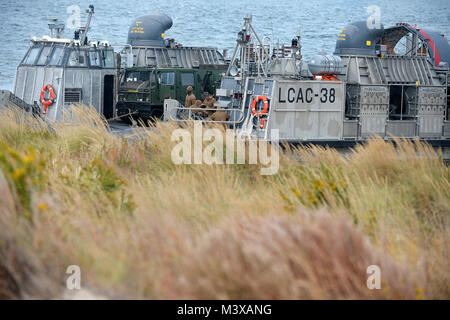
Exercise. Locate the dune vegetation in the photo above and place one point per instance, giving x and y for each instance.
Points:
(140, 226)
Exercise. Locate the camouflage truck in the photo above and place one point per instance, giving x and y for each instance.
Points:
(154, 68)
(142, 90)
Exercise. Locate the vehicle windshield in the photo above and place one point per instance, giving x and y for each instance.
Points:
(134, 76)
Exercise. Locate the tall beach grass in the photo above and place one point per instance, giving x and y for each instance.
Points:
(140, 226)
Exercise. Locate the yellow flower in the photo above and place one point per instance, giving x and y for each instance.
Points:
(296, 192)
(18, 173)
(42, 206)
(318, 185)
(29, 158)
(284, 197)
(419, 295)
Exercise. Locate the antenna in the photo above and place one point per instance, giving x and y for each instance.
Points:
(244, 43)
(56, 29)
(299, 42)
(90, 11)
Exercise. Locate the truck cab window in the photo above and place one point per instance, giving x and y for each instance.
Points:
(168, 78)
(32, 55)
(137, 76)
(57, 56)
(187, 79)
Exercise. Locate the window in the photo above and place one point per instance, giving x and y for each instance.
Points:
(77, 59)
(108, 59)
(44, 55)
(168, 78)
(137, 76)
(187, 79)
(131, 77)
(94, 59)
(57, 56)
(32, 55)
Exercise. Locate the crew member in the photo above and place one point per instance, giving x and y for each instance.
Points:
(198, 105)
(208, 103)
(220, 115)
(190, 97)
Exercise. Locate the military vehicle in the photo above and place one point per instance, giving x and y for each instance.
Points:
(380, 82)
(155, 67)
(57, 72)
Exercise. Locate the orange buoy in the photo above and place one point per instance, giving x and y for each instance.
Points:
(48, 102)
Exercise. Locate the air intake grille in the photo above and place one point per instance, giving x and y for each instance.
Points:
(72, 95)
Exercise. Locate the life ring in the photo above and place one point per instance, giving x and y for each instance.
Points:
(48, 102)
(264, 110)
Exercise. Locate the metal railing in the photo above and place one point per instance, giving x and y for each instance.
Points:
(180, 113)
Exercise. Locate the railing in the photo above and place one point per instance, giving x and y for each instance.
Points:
(174, 111)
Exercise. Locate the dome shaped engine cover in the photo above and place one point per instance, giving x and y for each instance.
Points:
(357, 38)
(149, 30)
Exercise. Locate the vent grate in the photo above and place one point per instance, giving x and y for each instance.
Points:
(72, 95)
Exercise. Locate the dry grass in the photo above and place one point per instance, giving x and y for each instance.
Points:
(140, 226)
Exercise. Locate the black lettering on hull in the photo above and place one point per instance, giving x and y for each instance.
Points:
(308, 94)
(291, 90)
(279, 96)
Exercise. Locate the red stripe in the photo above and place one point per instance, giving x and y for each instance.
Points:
(437, 58)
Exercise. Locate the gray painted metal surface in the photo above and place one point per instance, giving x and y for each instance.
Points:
(375, 93)
(76, 70)
(389, 70)
(298, 113)
(329, 64)
(7, 99)
(374, 107)
(87, 82)
(401, 128)
(431, 111)
(166, 57)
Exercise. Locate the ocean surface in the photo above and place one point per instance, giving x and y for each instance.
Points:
(210, 22)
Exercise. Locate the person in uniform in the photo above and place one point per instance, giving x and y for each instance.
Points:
(190, 97)
(198, 105)
(220, 115)
(208, 103)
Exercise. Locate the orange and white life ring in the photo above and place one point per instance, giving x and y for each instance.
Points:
(48, 102)
(263, 111)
